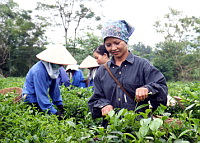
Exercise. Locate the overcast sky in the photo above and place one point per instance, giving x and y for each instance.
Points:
(140, 13)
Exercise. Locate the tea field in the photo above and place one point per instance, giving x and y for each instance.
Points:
(179, 123)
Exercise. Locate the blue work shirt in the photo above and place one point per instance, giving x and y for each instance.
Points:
(78, 79)
(133, 73)
(63, 78)
(91, 83)
(91, 77)
(37, 85)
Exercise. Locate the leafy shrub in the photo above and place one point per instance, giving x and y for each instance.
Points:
(19, 124)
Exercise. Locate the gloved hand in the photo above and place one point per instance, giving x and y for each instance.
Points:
(61, 108)
(59, 115)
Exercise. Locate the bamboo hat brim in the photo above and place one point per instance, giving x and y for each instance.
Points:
(72, 67)
(57, 55)
(89, 62)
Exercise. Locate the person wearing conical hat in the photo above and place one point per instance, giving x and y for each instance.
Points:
(77, 76)
(90, 63)
(41, 80)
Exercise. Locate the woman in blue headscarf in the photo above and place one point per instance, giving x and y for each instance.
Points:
(137, 75)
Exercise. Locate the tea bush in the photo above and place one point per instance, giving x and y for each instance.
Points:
(21, 123)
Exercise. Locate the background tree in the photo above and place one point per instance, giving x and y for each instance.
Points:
(4, 53)
(142, 50)
(22, 38)
(181, 48)
(85, 46)
(72, 14)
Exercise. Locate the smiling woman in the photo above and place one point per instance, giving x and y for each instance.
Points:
(118, 48)
(137, 75)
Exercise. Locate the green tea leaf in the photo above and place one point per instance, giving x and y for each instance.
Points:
(189, 107)
(111, 136)
(181, 141)
(183, 133)
(155, 124)
(143, 131)
(145, 122)
(111, 113)
(71, 123)
(130, 135)
(141, 106)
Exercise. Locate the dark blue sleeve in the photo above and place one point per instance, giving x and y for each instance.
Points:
(41, 85)
(156, 83)
(78, 78)
(54, 92)
(64, 78)
(98, 99)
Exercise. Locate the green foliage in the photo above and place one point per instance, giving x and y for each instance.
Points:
(178, 27)
(178, 56)
(189, 93)
(141, 50)
(71, 14)
(182, 62)
(11, 82)
(85, 46)
(21, 123)
(21, 39)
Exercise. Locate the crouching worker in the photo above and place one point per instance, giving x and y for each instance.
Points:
(41, 85)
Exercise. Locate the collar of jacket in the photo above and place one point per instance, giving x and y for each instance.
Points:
(129, 59)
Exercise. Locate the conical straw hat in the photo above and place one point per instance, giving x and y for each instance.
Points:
(72, 67)
(89, 62)
(57, 54)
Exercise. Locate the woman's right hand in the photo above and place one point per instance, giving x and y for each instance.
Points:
(106, 109)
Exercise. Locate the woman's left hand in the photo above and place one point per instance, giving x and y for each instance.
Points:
(141, 94)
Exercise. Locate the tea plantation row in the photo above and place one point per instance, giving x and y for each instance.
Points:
(21, 123)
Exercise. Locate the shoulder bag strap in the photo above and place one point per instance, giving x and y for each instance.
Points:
(106, 66)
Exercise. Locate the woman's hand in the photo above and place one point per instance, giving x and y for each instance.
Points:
(141, 94)
(106, 109)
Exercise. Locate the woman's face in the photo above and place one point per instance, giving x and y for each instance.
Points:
(118, 48)
(101, 59)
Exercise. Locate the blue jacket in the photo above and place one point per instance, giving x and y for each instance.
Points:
(37, 85)
(63, 78)
(78, 79)
(91, 78)
(91, 83)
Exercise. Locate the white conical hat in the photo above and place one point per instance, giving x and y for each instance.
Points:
(89, 62)
(72, 67)
(57, 54)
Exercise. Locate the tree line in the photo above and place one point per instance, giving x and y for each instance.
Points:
(22, 36)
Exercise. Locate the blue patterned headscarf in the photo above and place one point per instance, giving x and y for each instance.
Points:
(117, 29)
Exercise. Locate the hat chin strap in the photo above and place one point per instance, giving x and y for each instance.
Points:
(52, 72)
